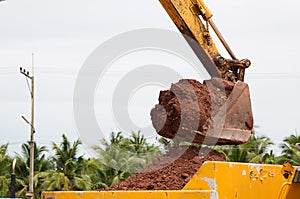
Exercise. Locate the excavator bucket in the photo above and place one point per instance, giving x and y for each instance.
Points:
(231, 125)
(230, 122)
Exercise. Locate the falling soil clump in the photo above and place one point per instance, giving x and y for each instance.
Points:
(171, 171)
(189, 105)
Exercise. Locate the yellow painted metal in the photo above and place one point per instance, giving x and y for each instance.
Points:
(187, 194)
(240, 180)
(187, 20)
(185, 15)
(214, 180)
(207, 14)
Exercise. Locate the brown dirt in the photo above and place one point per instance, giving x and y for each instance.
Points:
(170, 172)
(189, 105)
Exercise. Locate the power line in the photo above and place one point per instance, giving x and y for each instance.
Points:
(64, 71)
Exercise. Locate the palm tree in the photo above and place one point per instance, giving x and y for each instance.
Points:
(113, 160)
(120, 157)
(40, 161)
(65, 154)
(5, 164)
(138, 144)
(67, 173)
(289, 150)
(95, 170)
(258, 146)
(288, 145)
(41, 164)
(234, 153)
(269, 158)
(106, 175)
(255, 150)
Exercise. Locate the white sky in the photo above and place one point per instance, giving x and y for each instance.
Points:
(63, 33)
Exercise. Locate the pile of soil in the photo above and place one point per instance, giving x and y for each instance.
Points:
(170, 172)
(189, 105)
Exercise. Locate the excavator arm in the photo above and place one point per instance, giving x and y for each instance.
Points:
(233, 122)
(194, 20)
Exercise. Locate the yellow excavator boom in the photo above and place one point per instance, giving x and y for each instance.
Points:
(194, 20)
(233, 124)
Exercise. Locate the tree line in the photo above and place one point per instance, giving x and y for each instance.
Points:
(65, 169)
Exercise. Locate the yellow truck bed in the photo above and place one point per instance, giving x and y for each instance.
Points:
(214, 180)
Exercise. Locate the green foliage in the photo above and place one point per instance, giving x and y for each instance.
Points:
(118, 158)
(5, 164)
(67, 173)
(289, 150)
(41, 164)
(121, 157)
(168, 144)
(254, 151)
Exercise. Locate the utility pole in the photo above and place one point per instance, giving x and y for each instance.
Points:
(12, 187)
(30, 193)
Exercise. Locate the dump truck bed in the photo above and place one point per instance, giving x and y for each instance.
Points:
(214, 180)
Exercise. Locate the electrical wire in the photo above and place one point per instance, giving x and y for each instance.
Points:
(63, 71)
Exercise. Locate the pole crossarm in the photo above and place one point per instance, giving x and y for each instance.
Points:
(26, 73)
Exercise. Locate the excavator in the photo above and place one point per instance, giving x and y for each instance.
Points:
(194, 20)
(214, 180)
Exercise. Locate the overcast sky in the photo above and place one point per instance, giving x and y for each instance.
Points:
(63, 33)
